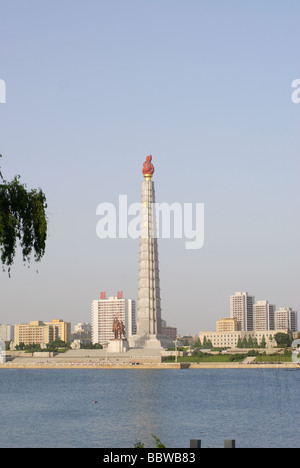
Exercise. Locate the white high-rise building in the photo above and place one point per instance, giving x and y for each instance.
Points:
(263, 316)
(6, 332)
(82, 332)
(286, 319)
(241, 308)
(83, 326)
(104, 311)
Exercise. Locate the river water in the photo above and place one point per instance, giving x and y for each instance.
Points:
(115, 408)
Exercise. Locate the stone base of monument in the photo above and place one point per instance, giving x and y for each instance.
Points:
(150, 342)
(118, 346)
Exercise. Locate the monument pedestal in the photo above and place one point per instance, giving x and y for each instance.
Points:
(150, 342)
(118, 346)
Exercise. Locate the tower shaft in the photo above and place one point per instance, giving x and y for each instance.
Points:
(149, 304)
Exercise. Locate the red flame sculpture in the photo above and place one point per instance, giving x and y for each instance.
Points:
(148, 168)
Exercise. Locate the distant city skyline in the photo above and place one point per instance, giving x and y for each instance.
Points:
(245, 315)
(210, 90)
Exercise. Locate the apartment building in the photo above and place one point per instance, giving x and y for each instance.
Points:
(241, 308)
(61, 330)
(105, 310)
(287, 319)
(6, 332)
(38, 332)
(263, 316)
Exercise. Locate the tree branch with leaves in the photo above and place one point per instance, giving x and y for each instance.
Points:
(23, 221)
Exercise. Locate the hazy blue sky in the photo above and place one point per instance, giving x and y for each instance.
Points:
(95, 86)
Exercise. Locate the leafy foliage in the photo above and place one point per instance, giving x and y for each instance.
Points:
(22, 220)
(283, 339)
(58, 345)
(139, 444)
(91, 346)
(158, 443)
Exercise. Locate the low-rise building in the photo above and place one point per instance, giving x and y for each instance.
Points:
(231, 339)
(61, 330)
(227, 325)
(38, 332)
(170, 332)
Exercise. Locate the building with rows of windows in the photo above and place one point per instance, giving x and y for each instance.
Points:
(38, 332)
(105, 310)
(249, 319)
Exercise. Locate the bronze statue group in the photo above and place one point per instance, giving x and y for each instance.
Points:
(119, 329)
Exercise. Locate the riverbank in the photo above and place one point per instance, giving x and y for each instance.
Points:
(62, 365)
(133, 359)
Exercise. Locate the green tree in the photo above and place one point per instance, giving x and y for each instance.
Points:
(20, 346)
(250, 342)
(244, 343)
(263, 342)
(252, 352)
(91, 346)
(283, 339)
(58, 344)
(22, 220)
(197, 344)
(255, 343)
(32, 347)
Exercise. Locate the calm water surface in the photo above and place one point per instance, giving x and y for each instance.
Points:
(55, 408)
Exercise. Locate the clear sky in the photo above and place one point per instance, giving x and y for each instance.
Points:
(93, 87)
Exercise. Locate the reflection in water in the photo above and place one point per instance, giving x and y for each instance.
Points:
(57, 407)
(146, 404)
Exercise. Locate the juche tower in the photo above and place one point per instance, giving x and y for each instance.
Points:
(149, 328)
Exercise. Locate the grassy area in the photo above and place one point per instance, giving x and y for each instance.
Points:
(208, 358)
(273, 358)
(230, 358)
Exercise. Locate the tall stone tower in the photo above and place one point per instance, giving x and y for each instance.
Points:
(149, 333)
